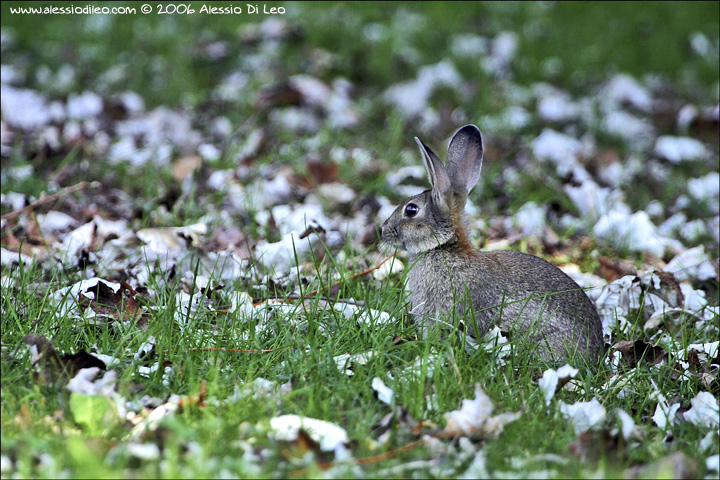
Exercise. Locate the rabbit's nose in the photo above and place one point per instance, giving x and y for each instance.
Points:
(388, 233)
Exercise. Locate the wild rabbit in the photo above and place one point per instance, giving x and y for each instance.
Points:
(529, 297)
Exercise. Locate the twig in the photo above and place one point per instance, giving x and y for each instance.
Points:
(389, 453)
(354, 275)
(366, 460)
(218, 349)
(292, 298)
(237, 350)
(43, 200)
(222, 349)
(326, 287)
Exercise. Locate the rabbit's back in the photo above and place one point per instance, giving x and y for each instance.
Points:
(521, 293)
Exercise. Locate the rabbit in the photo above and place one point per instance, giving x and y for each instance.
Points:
(523, 294)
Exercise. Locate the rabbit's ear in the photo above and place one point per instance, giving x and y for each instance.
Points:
(464, 158)
(439, 178)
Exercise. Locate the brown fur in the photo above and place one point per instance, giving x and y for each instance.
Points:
(458, 219)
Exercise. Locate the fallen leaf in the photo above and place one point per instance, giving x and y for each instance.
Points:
(384, 393)
(627, 424)
(304, 444)
(120, 304)
(611, 270)
(634, 352)
(170, 241)
(329, 435)
(552, 381)
(583, 415)
(320, 172)
(664, 416)
(53, 366)
(592, 445)
(185, 166)
(346, 362)
(704, 411)
(398, 420)
(473, 418)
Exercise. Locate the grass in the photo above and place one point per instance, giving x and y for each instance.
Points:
(223, 426)
(226, 435)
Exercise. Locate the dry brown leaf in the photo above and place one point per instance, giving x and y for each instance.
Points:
(611, 270)
(121, 305)
(185, 166)
(594, 444)
(670, 290)
(633, 352)
(53, 366)
(282, 94)
(319, 172)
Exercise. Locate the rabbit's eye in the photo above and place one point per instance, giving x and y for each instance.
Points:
(411, 210)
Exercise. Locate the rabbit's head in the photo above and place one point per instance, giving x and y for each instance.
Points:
(435, 217)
